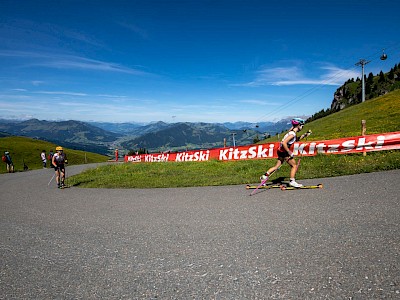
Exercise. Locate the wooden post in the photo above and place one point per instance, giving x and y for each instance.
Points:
(363, 130)
(224, 142)
(363, 127)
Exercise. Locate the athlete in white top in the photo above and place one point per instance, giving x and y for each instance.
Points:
(285, 153)
(58, 161)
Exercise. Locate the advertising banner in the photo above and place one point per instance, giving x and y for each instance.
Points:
(367, 143)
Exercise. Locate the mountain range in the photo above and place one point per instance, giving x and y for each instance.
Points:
(182, 136)
(72, 134)
(103, 138)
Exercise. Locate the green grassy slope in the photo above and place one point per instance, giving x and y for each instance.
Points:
(28, 150)
(382, 114)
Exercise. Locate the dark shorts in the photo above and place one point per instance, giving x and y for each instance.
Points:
(60, 168)
(283, 154)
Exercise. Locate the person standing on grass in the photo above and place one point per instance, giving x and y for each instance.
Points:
(7, 159)
(43, 158)
(58, 162)
(285, 153)
(51, 153)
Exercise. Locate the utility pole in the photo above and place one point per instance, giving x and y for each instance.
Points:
(233, 138)
(362, 63)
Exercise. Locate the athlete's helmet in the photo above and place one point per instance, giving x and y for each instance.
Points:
(59, 148)
(297, 121)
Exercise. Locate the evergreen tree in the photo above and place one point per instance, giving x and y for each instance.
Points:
(391, 74)
(370, 79)
(381, 77)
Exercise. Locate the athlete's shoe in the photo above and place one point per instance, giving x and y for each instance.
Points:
(263, 178)
(295, 184)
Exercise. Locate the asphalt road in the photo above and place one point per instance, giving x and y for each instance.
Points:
(339, 242)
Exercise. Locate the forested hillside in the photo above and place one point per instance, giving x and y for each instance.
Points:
(350, 93)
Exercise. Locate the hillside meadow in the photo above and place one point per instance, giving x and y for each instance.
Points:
(27, 150)
(381, 114)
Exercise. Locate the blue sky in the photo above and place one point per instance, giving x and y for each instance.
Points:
(179, 61)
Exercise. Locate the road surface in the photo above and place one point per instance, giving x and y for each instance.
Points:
(339, 242)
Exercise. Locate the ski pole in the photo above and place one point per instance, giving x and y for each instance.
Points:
(51, 179)
(298, 165)
(65, 177)
(262, 182)
(301, 155)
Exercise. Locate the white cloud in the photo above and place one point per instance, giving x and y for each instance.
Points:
(111, 96)
(76, 62)
(258, 102)
(60, 93)
(60, 61)
(339, 75)
(280, 76)
(37, 82)
(134, 28)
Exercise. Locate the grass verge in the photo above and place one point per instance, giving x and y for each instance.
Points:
(213, 173)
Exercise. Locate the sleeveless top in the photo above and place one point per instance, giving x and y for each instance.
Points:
(59, 158)
(290, 142)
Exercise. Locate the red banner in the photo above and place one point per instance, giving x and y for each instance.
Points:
(374, 142)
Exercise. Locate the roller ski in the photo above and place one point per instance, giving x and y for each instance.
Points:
(301, 187)
(267, 185)
(263, 185)
(62, 186)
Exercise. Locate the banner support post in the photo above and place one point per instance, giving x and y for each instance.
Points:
(363, 130)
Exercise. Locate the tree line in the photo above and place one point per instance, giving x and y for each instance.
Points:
(350, 93)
